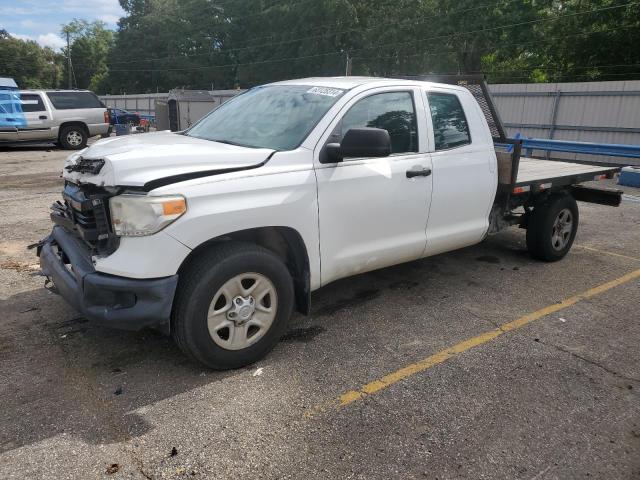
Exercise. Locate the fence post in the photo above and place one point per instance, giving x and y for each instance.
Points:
(554, 116)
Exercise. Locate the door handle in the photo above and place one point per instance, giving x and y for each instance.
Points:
(42, 117)
(424, 172)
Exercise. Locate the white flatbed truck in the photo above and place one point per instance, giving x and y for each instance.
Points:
(215, 234)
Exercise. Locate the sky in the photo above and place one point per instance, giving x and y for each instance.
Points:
(41, 20)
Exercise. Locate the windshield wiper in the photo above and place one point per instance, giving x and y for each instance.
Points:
(229, 142)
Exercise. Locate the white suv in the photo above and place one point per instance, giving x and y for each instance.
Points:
(66, 117)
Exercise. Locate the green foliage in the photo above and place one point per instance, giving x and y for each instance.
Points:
(30, 65)
(90, 46)
(204, 44)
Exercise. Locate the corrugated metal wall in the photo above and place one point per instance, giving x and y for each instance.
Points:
(600, 112)
(193, 104)
(140, 103)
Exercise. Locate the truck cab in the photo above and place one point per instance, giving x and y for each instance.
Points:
(217, 233)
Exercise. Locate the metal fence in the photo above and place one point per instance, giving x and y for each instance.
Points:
(140, 103)
(599, 112)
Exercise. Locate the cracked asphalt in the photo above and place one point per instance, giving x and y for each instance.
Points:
(558, 398)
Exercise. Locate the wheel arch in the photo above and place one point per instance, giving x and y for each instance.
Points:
(284, 242)
(73, 123)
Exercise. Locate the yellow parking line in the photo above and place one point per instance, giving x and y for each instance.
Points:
(604, 252)
(440, 357)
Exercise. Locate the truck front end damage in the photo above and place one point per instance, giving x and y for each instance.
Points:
(82, 231)
(107, 254)
(118, 302)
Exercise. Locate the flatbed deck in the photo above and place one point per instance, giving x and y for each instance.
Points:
(536, 171)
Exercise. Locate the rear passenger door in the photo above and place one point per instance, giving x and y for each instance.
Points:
(464, 184)
(38, 120)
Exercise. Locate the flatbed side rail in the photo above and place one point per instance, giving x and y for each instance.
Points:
(585, 148)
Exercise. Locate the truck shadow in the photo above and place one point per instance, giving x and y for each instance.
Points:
(62, 375)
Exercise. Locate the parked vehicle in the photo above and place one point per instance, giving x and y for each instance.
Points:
(66, 117)
(217, 233)
(118, 116)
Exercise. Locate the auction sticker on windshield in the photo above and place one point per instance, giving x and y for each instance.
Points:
(328, 92)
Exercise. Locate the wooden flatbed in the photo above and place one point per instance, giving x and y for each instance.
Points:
(535, 171)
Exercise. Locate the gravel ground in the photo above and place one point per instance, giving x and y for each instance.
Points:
(556, 399)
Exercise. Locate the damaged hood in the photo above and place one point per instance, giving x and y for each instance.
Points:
(150, 159)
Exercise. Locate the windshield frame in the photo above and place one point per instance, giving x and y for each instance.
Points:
(304, 137)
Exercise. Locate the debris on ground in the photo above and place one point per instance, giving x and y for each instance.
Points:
(19, 266)
(113, 468)
(30, 309)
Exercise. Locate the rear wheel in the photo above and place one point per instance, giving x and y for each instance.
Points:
(73, 137)
(552, 228)
(232, 305)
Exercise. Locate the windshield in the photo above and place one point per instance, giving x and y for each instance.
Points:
(278, 117)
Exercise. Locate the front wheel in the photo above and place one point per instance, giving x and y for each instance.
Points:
(232, 305)
(552, 228)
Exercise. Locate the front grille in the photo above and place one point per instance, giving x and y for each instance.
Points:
(85, 213)
(86, 220)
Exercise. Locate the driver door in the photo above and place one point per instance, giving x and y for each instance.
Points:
(373, 211)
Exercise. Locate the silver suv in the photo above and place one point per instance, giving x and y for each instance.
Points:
(66, 117)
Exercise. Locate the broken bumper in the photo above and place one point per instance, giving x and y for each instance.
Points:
(113, 301)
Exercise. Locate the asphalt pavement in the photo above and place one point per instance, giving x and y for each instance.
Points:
(480, 363)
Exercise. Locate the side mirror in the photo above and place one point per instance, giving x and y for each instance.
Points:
(360, 142)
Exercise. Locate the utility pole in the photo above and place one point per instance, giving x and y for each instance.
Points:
(68, 61)
(347, 70)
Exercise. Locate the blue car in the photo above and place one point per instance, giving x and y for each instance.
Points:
(119, 116)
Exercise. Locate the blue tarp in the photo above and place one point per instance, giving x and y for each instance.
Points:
(11, 114)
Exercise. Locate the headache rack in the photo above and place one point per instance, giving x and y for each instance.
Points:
(477, 85)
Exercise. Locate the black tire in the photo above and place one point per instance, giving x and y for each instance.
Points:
(76, 132)
(199, 283)
(541, 225)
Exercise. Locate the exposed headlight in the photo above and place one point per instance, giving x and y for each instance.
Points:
(137, 215)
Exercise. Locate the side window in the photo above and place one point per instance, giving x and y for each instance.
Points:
(31, 103)
(393, 112)
(71, 100)
(450, 127)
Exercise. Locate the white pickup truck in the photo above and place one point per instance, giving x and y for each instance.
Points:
(215, 234)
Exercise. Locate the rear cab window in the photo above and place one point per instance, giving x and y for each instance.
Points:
(74, 100)
(450, 126)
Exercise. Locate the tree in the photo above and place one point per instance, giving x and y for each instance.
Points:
(91, 43)
(203, 44)
(164, 44)
(30, 65)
